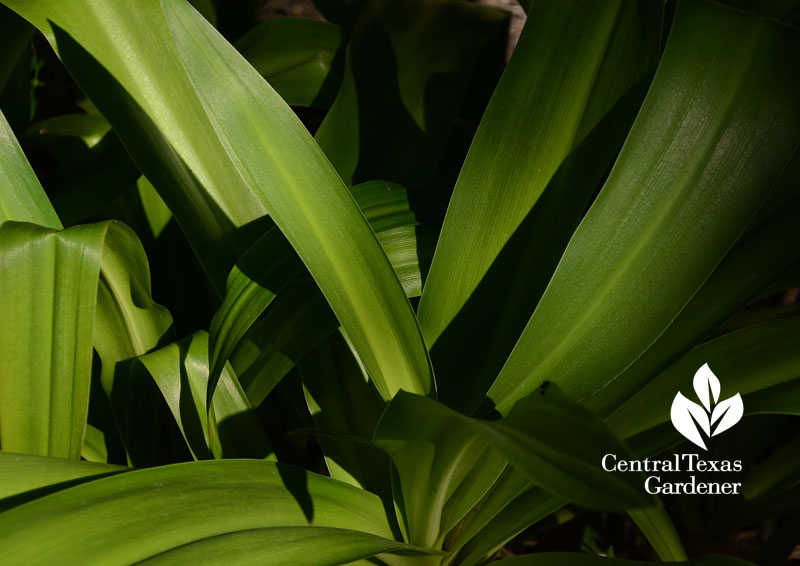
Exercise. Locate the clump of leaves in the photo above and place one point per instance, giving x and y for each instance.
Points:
(621, 199)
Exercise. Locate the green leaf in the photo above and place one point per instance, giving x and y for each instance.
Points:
(181, 372)
(286, 333)
(296, 56)
(128, 322)
(747, 362)
(223, 149)
(511, 506)
(547, 437)
(131, 322)
(560, 446)
(22, 198)
(180, 506)
(693, 170)
(443, 464)
(156, 211)
(309, 204)
(48, 290)
(528, 178)
(407, 242)
(514, 503)
(25, 477)
(95, 447)
(761, 256)
(168, 134)
(300, 546)
(59, 131)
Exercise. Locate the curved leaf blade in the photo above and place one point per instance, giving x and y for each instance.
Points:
(22, 198)
(749, 361)
(548, 437)
(300, 546)
(23, 473)
(284, 335)
(528, 178)
(181, 372)
(181, 505)
(48, 291)
(717, 127)
(764, 254)
(310, 204)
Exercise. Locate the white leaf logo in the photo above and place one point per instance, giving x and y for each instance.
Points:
(687, 415)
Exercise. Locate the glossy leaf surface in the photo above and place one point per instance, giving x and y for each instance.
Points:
(553, 127)
(718, 126)
(187, 504)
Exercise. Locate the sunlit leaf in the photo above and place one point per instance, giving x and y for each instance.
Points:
(697, 163)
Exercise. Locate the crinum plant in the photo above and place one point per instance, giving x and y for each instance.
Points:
(630, 188)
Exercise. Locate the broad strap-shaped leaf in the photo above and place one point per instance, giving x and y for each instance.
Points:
(297, 58)
(56, 132)
(693, 170)
(310, 204)
(155, 209)
(129, 323)
(300, 546)
(95, 444)
(138, 82)
(187, 117)
(204, 110)
(64, 293)
(763, 254)
(547, 437)
(24, 477)
(22, 198)
(48, 291)
(749, 361)
(515, 502)
(209, 504)
(441, 463)
(554, 125)
(180, 371)
(287, 332)
(560, 445)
